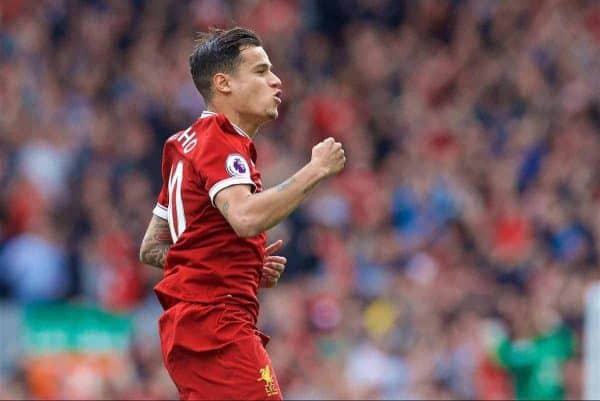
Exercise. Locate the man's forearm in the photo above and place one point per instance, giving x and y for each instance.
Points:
(266, 209)
(250, 214)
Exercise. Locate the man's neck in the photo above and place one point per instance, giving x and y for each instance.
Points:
(247, 127)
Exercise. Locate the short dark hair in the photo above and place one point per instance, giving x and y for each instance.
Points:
(218, 50)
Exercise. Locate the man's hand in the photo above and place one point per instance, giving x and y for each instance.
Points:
(328, 156)
(273, 267)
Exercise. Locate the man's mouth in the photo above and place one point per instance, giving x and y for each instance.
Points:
(277, 97)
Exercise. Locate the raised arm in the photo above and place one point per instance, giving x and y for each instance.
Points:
(156, 243)
(250, 214)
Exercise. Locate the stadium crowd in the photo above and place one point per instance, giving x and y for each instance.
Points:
(466, 218)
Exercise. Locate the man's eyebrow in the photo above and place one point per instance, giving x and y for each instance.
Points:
(262, 65)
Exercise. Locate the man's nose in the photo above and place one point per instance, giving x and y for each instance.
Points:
(275, 81)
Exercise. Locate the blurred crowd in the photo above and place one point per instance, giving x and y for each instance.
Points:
(466, 220)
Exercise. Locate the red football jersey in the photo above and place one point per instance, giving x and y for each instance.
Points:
(208, 263)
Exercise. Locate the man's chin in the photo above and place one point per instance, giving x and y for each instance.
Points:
(269, 115)
(272, 114)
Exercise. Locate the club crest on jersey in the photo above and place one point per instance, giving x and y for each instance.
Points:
(237, 166)
(266, 375)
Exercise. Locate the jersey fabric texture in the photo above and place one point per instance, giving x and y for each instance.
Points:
(209, 340)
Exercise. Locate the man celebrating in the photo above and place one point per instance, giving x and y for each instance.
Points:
(208, 227)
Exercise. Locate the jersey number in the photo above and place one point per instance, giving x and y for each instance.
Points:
(176, 215)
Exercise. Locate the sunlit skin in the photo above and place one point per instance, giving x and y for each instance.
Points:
(250, 96)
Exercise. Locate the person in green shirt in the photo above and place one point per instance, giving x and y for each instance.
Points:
(535, 357)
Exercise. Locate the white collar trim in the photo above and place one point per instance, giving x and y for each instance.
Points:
(207, 113)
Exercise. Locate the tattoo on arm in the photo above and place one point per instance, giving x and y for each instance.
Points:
(292, 180)
(285, 184)
(156, 256)
(156, 243)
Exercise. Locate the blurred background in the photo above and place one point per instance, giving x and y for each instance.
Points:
(450, 260)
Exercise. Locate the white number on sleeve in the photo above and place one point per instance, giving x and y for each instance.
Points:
(176, 214)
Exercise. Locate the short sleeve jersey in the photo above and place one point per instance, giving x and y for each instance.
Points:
(208, 263)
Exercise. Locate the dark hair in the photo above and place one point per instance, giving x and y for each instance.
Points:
(217, 51)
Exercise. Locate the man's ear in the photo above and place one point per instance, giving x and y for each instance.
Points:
(221, 83)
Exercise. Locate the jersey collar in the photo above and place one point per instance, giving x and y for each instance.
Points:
(207, 113)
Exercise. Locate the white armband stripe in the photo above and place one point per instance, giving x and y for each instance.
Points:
(228, 182)
(160, 211)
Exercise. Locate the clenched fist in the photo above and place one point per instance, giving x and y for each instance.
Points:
(328, 156)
